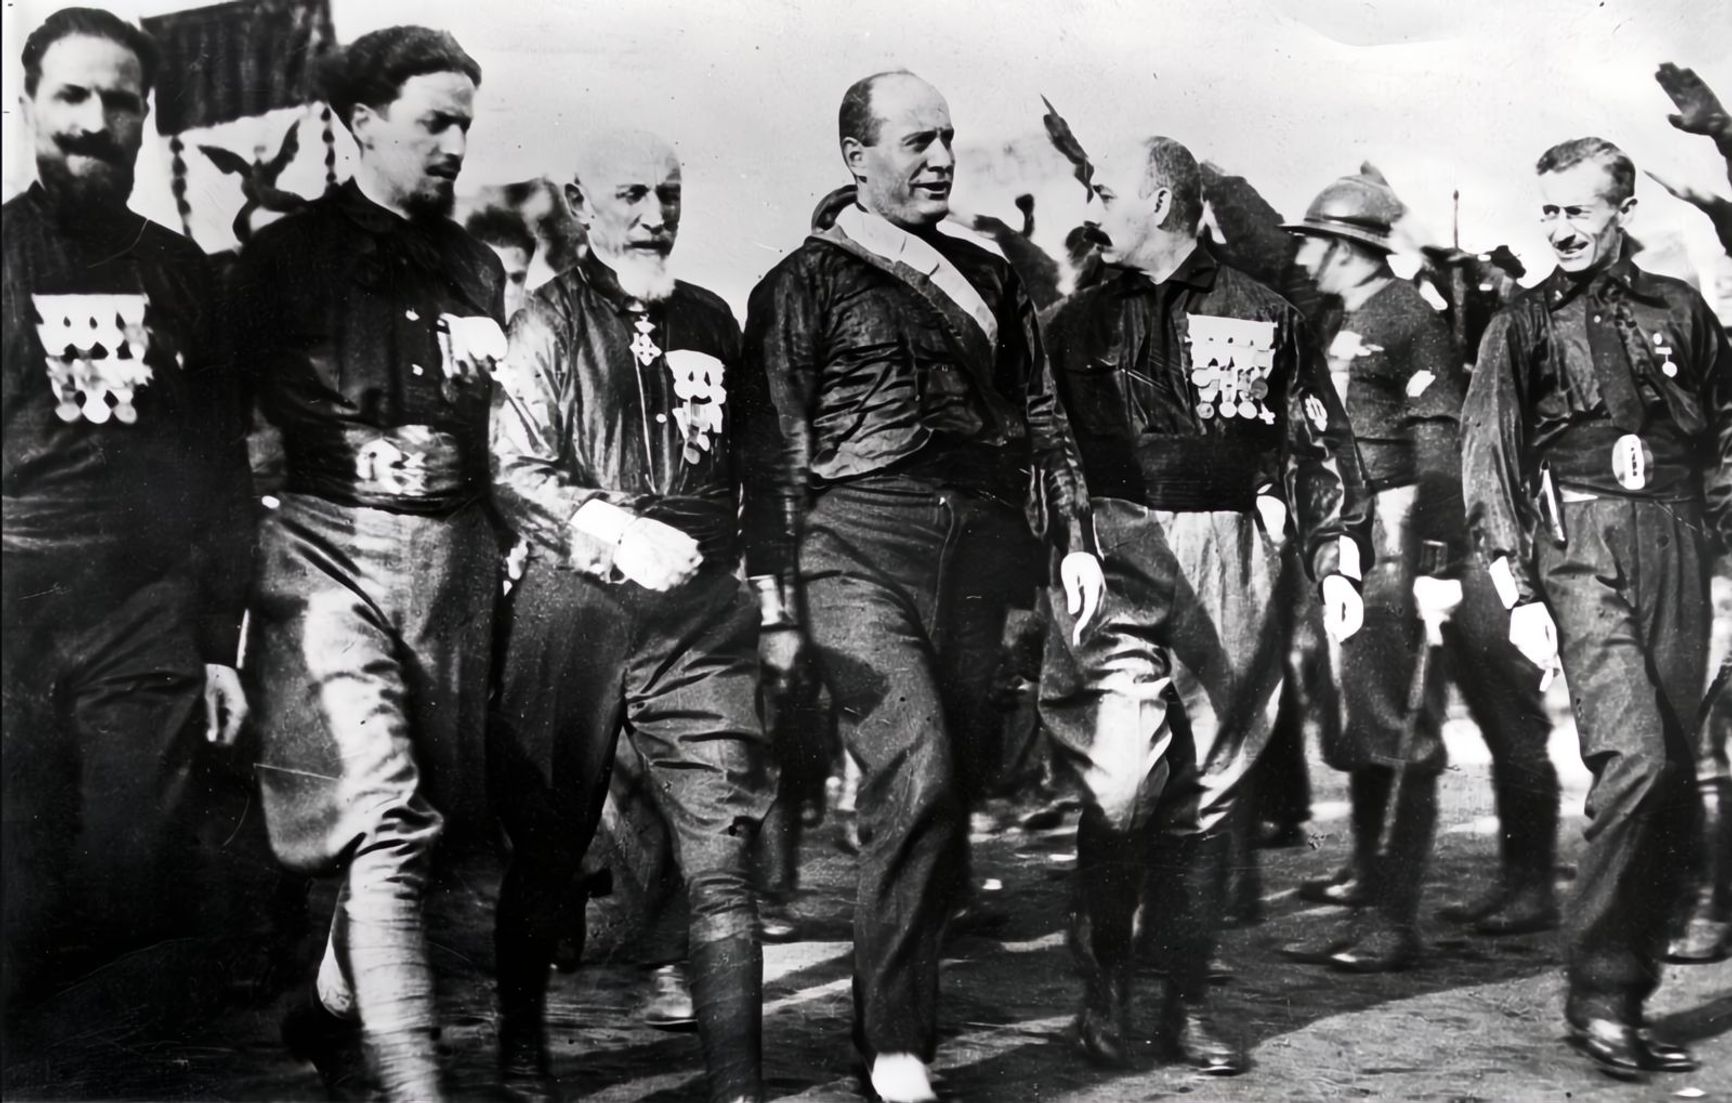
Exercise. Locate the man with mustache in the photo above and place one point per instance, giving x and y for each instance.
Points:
(618, 455)
(369, 321)
(1597, 468)
(1205, 417)
(914, 404)
(126, 539)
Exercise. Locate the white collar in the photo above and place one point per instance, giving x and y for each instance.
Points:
(893, 243)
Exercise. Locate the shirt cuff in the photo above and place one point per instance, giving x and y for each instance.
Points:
(1512, 588)
(775, 602)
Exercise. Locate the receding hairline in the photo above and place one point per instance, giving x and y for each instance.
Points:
(608, 148)
(861, 100)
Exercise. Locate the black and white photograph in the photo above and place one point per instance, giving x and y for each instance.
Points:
(990, 551)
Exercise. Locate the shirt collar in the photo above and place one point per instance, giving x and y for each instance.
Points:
(1197, 270)
(365, 213)
(1560, 288)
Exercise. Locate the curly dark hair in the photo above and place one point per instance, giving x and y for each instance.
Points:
(91, 23)
(371, 70)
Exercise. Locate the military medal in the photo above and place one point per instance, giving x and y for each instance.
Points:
(93, 352)
(1667, 367)
(698, 381)
(1233, 358)
(643, 346)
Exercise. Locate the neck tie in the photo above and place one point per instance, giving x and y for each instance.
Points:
(1615, 366)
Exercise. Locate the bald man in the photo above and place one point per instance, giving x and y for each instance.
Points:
(914, 404)
(615, 457)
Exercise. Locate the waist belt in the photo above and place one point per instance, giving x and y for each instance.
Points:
(407, 469)
(1198, 474)
(1604, 459)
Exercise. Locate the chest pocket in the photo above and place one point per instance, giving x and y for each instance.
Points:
(1096, 394)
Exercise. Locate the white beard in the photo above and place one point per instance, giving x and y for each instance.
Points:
(648, 279)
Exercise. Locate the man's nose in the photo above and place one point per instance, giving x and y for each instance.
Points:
(454, 142)
(940, 156)
(89, 116)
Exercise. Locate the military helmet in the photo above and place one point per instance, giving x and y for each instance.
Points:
(1361, 208)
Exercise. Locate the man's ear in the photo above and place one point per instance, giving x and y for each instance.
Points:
(27, 109)
(361, 120)
(1626, 211)
(1163, 207)
(577, 204)
(854, 156)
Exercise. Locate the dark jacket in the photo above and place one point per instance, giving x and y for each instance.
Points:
(865, 376)
(1539, 397)
(577, 417)
(121, 482)
(1150, 432)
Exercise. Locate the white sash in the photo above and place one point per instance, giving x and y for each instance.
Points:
(898, 246)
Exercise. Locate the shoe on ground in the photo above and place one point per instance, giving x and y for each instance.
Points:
(331, 1045)
(669, 1003)
(1385, 948)
(1528, 911)
(1704, 941)
(1280, 836)
(1188, 1035)
(1614, 1047)
(976, 917)
(1658, 1056)
(1100, 1035)
(1321, 950)
(902, 1078)
(1344, 888)
(1477, 907)
(777, 923)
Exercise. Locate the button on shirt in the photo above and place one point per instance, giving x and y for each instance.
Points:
(336, 313)
(1542, 377)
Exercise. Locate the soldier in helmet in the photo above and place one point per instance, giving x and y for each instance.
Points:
(1204, 416)
(1597, 467)
(1400, 377)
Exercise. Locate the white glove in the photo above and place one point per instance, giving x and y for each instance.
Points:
(1534, 635)
(470, 347)
(225, 704)
(1343, 608)
(656, 556)
(1084, 585)
(1437, 599)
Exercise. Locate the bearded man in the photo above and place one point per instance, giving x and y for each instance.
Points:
(617, 455)
(369, 320)
(127, 539)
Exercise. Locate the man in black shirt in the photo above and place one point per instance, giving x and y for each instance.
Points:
(914, 403)
(1205, 417)
(127, 538)
(1597, 468)
(369, 321)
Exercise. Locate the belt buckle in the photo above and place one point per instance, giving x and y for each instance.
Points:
(1632, 460)
(393, 470)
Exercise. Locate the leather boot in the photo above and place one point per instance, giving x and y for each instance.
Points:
(1368, 790)
(1390, 940)
(523, 945)
(1530, 829)
(1706, 936)
(1108, 885)
(1244, 872)
(728, 995)
(1191, 924)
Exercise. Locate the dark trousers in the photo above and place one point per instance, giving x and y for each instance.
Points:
(905, 588)
(1502, 692)
(1629, 595)
(98, 693)
(802, 725)
(678, 674)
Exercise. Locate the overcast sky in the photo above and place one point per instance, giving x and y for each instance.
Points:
(1442, 96)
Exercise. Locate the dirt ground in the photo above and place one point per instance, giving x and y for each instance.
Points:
(1479, 1020)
